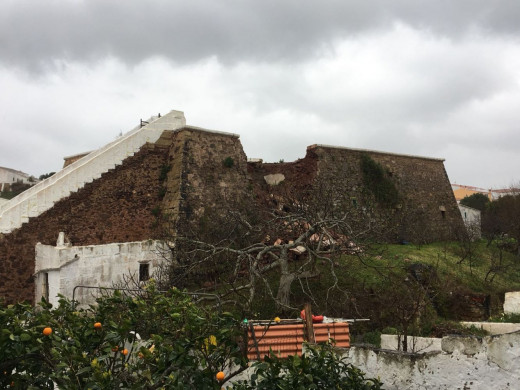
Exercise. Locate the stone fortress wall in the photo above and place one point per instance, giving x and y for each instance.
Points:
(176, 175)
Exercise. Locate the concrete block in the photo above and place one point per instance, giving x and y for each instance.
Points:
(512, 302)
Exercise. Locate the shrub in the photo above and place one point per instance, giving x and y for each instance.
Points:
(228, 162)
(182, 346)
(149, 341)
(321, 367)
(510, 317)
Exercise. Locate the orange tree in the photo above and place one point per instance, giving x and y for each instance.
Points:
(149, 341)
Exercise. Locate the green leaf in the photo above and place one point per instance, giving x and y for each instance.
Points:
(25, 337)
(84, 370)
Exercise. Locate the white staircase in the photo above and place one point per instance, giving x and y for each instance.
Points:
(46, 193)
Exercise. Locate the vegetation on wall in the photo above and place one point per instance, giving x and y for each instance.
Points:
(163, 174)
(228, 162)
(378, 182)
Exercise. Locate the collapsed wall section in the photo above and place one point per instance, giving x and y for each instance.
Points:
(423, 208)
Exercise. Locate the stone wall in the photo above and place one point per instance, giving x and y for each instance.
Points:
(208, 170)
(426, 210)
(465, 363)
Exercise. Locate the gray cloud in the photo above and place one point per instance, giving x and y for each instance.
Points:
(33, 34)
(430, 78)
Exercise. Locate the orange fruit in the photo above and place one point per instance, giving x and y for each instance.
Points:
(47, 331)
(220, 376)
(124, 351)
(97, 325)
(277, 319)
(140, 355)
(115, 349)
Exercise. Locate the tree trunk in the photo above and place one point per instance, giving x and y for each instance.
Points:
(284, 290)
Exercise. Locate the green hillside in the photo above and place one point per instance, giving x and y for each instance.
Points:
(422, 288)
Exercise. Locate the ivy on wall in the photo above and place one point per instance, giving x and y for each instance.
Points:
(377, 180)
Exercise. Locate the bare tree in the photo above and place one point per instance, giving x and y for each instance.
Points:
(238, 253)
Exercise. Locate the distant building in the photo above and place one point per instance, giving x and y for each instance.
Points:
(471, 218)
(495, 194)
(461, 191)
(9, 176)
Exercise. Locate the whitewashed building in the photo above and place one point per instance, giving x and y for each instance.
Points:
(9, 176)
(61, 269)
(472, 221)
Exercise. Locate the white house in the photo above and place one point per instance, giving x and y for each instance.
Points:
(61, 269)
(471, 218)
(9, 176)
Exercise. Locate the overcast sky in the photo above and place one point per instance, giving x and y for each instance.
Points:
(433, 78)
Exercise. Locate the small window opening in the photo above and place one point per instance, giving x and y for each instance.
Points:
(144, 272)
(45, 286)
(443, 213)
(465, 215)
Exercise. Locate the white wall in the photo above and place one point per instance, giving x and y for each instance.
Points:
(94, 265)
(415, 344)
(462, 363)
(471, 218)
(512, 302)
(491, 362)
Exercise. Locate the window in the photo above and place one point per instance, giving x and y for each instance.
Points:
(45, 286)
(443, 211)
(144, 272)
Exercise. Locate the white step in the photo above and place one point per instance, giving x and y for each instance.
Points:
(46, 193)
